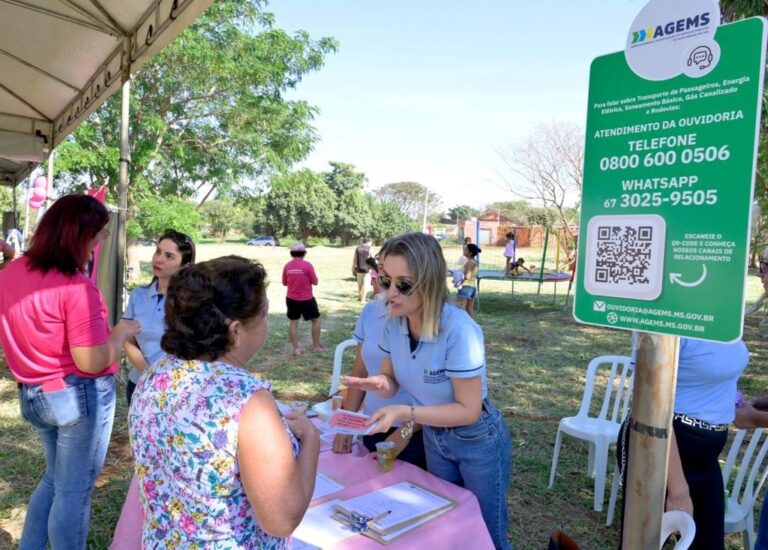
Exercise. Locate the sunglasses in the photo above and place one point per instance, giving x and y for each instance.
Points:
(403, 287)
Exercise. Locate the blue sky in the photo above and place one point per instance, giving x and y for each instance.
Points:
(429, 90)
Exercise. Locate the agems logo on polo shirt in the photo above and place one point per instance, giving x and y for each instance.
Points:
(435, 376)
(671, 28)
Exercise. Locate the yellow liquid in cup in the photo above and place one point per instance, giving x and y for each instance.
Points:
(385, 455)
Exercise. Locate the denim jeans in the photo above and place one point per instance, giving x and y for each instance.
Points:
(74, 425)
(477, 457)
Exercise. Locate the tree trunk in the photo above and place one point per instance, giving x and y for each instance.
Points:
(133, 261)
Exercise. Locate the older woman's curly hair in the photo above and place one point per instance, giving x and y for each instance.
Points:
(203, 299)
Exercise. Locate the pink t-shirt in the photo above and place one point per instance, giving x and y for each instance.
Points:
(299, 276)
(42, 316)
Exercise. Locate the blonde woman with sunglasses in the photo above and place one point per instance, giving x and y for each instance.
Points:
(436, 352)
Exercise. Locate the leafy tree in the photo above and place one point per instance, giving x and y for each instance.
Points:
(410, 196)
(342, 178)
(207, 112)
(221, 217)
(151, 218)
(462, 212)
(733, 10)
(352, 217)
(388, 220)
(300, 203)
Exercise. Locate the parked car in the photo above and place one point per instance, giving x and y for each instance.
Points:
(146, 242)
(264, 241)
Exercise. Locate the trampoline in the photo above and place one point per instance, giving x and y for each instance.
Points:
(536, 277)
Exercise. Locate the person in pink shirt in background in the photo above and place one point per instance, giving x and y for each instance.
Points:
(299, 276)
(54, 333)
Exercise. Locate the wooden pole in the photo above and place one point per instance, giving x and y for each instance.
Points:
(650, 427)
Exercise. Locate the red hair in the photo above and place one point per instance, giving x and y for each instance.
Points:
(62, 237)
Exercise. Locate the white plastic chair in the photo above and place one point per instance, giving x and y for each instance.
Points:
(601, 430)
(324, 409)
(747, 478)
(677, 521)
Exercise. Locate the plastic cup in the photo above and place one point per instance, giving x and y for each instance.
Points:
(385, 455)
(336, 402)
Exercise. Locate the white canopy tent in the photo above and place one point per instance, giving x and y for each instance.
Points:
(60, 60)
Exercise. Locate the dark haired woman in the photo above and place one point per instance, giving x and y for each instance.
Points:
(58, 345)
(468, 286)
(147, 304)
(217, 466)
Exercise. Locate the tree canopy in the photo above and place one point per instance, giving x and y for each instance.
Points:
(411, 196)
(207, 113)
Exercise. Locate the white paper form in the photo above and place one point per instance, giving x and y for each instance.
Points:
(324, 486)
(405, 501)
(318, 529)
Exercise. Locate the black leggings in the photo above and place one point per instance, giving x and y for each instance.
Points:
(699, 450)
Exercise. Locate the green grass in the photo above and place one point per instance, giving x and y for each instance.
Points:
(537, 356)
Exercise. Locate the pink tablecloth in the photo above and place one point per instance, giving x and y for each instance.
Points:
(460, 528)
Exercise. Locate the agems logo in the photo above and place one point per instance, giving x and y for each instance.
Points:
(673, 27)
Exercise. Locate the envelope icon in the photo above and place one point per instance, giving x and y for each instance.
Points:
(598, 305)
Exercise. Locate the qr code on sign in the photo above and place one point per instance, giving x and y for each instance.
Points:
(625, 256)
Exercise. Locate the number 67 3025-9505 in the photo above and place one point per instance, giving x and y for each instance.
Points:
(698, 197)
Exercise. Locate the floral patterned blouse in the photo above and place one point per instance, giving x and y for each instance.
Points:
(183, 425)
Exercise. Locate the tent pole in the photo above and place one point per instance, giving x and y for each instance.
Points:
(122, 187)
(25, 236)
(48, 186)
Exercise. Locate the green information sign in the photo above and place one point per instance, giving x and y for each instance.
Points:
(668, 179)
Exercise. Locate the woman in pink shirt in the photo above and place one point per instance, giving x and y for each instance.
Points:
(58, 345)
(299, 276)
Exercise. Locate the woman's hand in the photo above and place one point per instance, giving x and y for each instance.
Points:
(300, 425)
(127, 328)
(389, 415)
(400, 442)
(342, 443)
(376, 383)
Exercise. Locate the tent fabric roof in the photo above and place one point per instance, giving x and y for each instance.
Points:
(61, 59)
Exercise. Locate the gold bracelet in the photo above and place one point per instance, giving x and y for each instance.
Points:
(406, 432)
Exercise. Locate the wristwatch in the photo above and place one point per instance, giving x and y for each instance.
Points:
(407, 430)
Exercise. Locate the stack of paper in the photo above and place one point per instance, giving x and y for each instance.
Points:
(402, 507)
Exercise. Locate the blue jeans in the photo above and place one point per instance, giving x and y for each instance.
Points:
(477, 457)
(74, 425)
(762, 529)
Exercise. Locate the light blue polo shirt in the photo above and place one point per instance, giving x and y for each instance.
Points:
(147, 307)
(458, 351)
(368, 331)
(707, 375)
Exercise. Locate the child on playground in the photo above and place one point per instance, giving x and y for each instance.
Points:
(299, 276)
(509, 250)
(468, 288)
(514, 267)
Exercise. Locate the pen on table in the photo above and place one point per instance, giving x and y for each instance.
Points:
(380, 516)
